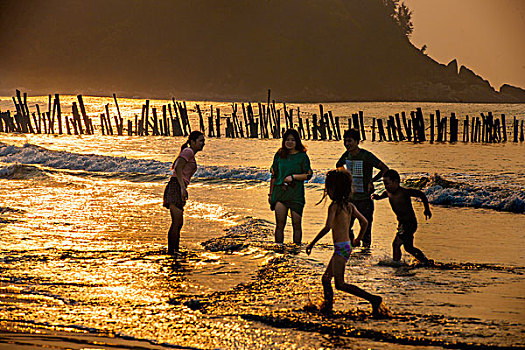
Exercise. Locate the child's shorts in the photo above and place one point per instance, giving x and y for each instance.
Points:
(172, 194)
(406, 230)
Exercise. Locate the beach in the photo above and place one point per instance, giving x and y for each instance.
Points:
(84, 261)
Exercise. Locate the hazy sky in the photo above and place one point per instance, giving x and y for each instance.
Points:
(488, 36)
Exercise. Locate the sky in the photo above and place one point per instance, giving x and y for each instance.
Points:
(487, 36)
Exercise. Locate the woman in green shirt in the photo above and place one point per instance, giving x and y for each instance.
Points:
(290, 168)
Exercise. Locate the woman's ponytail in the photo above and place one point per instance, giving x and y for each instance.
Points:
(185, 145)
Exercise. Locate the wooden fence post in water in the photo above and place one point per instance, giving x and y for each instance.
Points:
(421, 124)
(515, 129)
(238, 124)
(408, 129)
(41, 120)
(490, 131)
(84, 114)
(107, 118)
(362, 126)
(445, 124)
(201, 120)
(413, 126)
(504, 127)
(2, 116)
(175, 122)
(465, 129)
(308, 129)
(101, 124)
(381, 130)
(254, 123)
(332, 122)
(59, 113)
(211, 128)
(246, 124)
(373, 129)
(20, 113)
(47, 125)
(472, 127)
(497, 131)
(186, 117)
(483, 128)
(76, 117)
(218, 122)
(389, 128)
(431, 128)
(339, 136)
(26, 115)
(262, 118)
(355, 121)
(26, 108)
(322, 128)
(116, 104)
(68, 128)
(155, 131)
(314, 126)
(326, 123)
(453, 128)
(479, 129)
(165, 120)
(399, 129)
(74, 123)
(300, 129)
(35, 120)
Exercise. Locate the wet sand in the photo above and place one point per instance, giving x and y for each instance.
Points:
(13, 336)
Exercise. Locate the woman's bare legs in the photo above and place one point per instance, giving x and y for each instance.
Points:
(297, 227)
(174, 231)
(280, 221)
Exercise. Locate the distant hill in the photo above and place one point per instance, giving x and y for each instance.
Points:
(304, 50)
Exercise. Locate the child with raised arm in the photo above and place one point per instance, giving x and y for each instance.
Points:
(401, 203)
(338, 186)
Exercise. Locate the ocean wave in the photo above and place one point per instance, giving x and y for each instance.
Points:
(93, 163)
(29, 159)
(465, 195)
(9, 210)
(21, 172)
(31, 154)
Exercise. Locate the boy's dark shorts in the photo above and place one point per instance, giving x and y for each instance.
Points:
(172, 194)
(406, 230)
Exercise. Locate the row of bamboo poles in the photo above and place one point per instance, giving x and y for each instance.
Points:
(257, 121)
(484, 128)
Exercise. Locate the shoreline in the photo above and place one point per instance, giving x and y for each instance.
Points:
(23, 335)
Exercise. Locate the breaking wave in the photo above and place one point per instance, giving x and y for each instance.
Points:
(25, 162)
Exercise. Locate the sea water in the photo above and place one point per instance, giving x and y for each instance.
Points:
(84, 242)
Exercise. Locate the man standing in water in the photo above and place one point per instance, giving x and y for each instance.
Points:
(360, 163)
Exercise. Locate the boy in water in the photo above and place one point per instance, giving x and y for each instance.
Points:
(401, 203)
(338, 186)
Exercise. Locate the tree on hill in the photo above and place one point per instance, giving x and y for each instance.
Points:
(401, 15)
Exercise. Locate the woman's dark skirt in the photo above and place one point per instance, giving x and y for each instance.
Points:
(172, 194)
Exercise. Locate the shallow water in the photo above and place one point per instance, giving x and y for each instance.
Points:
(85, 234)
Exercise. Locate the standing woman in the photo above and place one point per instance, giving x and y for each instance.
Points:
(176, 194)
(290, 168)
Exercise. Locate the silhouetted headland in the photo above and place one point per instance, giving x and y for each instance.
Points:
(312, 50)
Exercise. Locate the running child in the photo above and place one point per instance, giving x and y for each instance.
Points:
(338, 186)
(401, 203)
